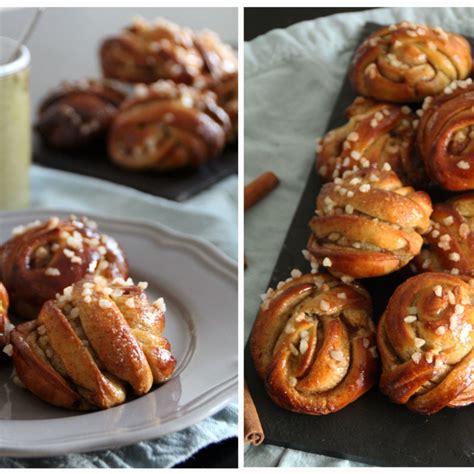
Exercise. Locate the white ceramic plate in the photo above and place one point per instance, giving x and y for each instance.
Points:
(199, 284)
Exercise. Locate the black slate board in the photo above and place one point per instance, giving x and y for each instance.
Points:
(177, 185)
(371, 430)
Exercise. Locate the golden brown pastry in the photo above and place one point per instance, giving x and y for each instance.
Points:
(449, 242)
(368, 224)
(168, 126)
(91, 343)
(226, 89)
(42, 258)
(78, 113)
(4, 321)
(376, 133)
(407, 62)
(313, 343)
(425, 339)
(445, 136)
(221, 74)
(148, 51)
(220, 59)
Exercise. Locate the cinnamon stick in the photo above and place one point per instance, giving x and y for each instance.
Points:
(253, 431)
(259, 188)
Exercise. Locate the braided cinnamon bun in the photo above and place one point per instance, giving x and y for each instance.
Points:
(449, 242)
(407, 62)
(91, 343)
(226, 89)
(313, 343)
(42, 258)
(78, 113)
(4, 321)
(368, 224)
(148, 51)
(425, 338)
(167, 126)
(221, 75)
(376, 133)
(219, 58)
(445, 136)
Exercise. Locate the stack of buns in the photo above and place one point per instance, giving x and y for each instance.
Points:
(409, 133)
(168, 99)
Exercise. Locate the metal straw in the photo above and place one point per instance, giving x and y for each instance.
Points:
(26, 34)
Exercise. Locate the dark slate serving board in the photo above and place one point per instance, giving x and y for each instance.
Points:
(371, 430)
(177, 185)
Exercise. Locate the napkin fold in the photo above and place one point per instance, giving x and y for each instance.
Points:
(163, 452)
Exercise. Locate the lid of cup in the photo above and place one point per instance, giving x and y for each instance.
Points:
(20, 62)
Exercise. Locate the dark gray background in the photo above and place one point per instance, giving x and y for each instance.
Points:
(258, 21)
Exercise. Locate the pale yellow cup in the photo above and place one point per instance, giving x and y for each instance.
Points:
(15, 127)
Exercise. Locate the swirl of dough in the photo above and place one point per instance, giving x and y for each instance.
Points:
(445, 136)
(94, 340)
(376, 133)
(368, 224)
(167, 126)
(313, 343)
(425, 338)
(407, 62)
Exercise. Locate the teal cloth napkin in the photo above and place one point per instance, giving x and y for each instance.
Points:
(211, 215)
(292, 80)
